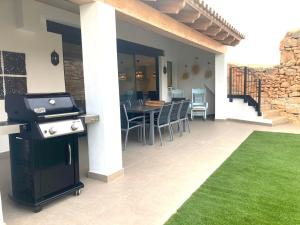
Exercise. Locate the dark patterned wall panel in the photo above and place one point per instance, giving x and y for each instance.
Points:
(14, 63)
(1, 89)
(0, 63)
(15, 85)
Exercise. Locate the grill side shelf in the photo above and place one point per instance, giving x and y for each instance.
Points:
(15, 128)
(10, 127)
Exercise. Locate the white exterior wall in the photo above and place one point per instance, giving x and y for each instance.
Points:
(23, 30)
(221, 100)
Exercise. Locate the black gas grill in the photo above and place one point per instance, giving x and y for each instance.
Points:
(44, 155)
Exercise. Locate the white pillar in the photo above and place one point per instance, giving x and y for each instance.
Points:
(99, 48)
(221, 100)
(1, 214)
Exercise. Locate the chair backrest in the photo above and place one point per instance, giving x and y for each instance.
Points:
(153, 95)
(177, 93)
(198, 96)
(124, 117)
(140, 95)
(136, 102)
(164, 114)
(175, 111)
(184, 109)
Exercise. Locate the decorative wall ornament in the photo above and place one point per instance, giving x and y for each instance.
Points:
(14, 63)
(208, 72)
(165, 70)
(54, 58)
(196, 66)
(185, 74)
(15, 85)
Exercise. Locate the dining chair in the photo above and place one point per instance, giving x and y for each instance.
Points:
(199, 105)
(174, 116)
(132, 123)
(183, 116)
(163, 120)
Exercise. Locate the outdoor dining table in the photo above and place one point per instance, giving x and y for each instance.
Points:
(151, 110)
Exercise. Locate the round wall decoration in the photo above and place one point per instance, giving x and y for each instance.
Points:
(54, 58)
(185, 74)
(196, 66)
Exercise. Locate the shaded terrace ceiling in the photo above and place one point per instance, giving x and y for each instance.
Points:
(197, 15)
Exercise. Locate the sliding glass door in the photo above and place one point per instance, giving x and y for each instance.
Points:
(138, 77)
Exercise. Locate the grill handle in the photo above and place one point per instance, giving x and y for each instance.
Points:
(70, 155)
(59, 115)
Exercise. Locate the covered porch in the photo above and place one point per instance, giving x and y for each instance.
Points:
(184, 41)
(156, 182)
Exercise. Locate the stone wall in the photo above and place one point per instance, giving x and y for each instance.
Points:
(74, 80)
(281, 83)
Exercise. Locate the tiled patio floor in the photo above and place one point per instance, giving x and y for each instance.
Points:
(157, 179)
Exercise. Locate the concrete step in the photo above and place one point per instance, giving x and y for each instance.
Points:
(271, 113)
(278, 120)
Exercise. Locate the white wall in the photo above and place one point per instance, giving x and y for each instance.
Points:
(179, 54)
(32, 39)
(1, 215)
(188, 57)
(221, 100)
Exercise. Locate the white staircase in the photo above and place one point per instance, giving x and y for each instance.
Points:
(241, 111)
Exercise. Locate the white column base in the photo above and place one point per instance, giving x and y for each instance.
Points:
(106, 178)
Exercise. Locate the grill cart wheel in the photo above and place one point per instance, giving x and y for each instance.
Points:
(37, 209)
(77, 192)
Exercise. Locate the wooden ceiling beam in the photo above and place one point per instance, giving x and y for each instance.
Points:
(188, 17)
(170, 6)
(221, 36)
(235, 42)
(213, 30)
(202, 24)
(229, 40)
(140, 13)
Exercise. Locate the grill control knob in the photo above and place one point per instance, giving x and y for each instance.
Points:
(74, 127)
(52, 130)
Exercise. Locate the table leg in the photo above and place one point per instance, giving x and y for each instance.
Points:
(151, 130)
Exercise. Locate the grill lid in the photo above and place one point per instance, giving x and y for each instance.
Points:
(29, 107)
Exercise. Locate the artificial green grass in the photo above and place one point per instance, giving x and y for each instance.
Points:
(258, 185)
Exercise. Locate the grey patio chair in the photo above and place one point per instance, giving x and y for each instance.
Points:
(183, 116)
(163, 120)
(132, 123)
(174, 116)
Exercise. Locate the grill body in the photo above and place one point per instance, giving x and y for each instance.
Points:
(44, 164)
